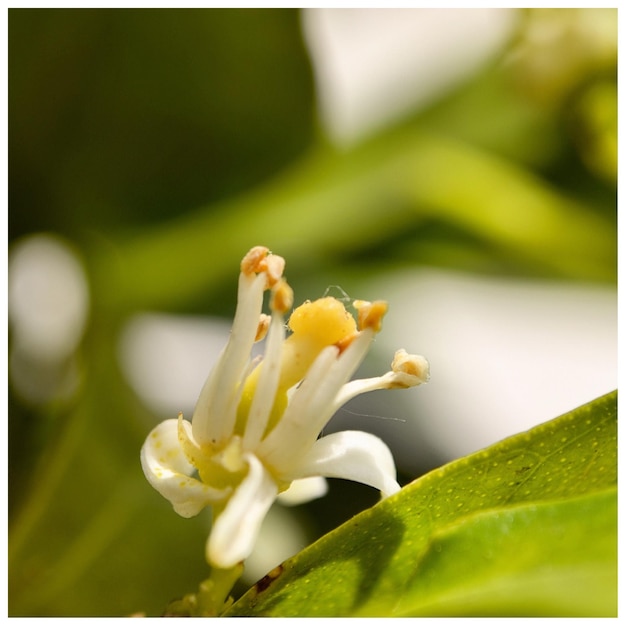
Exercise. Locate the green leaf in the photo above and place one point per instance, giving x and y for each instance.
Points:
(525, 527)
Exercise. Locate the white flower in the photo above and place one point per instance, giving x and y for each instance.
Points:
(254, 431)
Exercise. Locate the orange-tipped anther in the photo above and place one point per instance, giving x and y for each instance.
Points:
(282, 297)
(254, 261)
(370, 314)
(264, 324)
(260, 259)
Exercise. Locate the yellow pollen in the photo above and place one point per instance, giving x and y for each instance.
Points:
(324, 321)
(315, 326)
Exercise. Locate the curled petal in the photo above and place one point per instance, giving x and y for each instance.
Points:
(353, 455)
(236, 528)
(168, 471)
(304, 490)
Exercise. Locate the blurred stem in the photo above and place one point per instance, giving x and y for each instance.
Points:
(212, 598)
(332, 203)
(52, 469)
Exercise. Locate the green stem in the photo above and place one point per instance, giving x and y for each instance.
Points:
(212, 598)
(330, 203)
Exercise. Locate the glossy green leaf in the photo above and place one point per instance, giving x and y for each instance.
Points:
(525, 527)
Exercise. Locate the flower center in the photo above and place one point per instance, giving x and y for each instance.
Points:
(315, 326)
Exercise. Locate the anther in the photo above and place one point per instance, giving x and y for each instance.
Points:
(254, 261)
(413, 365)
(282, 297)
(370, 314)
(264, 324)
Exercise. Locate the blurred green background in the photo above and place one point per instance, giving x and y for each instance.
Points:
(158, 146)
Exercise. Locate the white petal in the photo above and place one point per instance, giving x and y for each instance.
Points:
(312, 404)
(295, 431)
(236, 528)
(304, 490)
(353, 455)
(169, 472)
(215, 412)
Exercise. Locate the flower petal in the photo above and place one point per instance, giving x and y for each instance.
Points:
(312, 404)
(169, 472)
(304, 490)
(215, 412)
(353, 455)
(295, 432)
(236, 528)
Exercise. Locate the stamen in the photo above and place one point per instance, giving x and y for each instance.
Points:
(260, 260)
(282, 297)
(264, 324)
(344, 343)
(274, 268)
(260, 395)
(370, 314)
(413, 365)
(253, 262)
